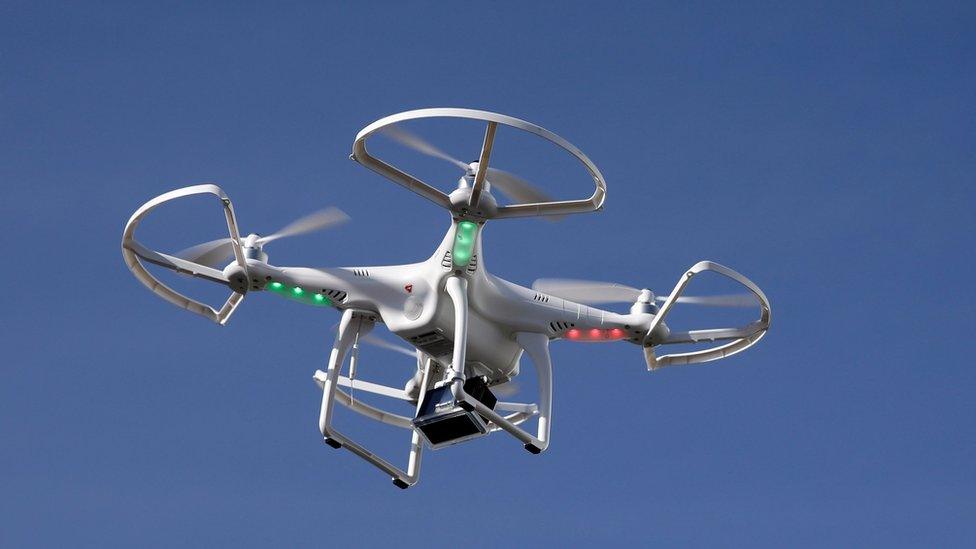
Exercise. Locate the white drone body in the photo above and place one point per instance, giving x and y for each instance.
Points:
(467, 329)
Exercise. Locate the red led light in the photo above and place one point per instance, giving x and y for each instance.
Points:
(596, 334)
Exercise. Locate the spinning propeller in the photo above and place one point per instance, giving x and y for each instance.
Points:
(590, 292)
(216, 252)
(515, 188)
(384, 344)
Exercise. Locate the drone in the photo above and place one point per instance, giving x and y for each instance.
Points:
(466, 329)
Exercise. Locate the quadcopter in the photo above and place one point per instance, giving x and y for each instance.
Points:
(467, 330)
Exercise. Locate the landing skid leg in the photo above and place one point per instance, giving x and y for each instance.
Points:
(536, 345)
(353, 323)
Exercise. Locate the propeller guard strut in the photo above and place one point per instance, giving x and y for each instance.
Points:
(235, 277)
(742, 338)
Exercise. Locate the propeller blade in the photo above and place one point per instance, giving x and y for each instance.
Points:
(212, 254)
(507, 389)
(586, 291)
(419, 144)
(377, 342)
(316, 221)
(516, 188)
(729, 300)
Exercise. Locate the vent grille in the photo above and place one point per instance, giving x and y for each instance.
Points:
(473, 264)
(541, 297)
(447, 261)
(337, 296)
(361, 272)
(559, 326)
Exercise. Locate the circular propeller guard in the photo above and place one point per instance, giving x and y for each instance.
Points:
(471, 207)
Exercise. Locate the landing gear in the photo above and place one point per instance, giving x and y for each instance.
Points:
(470, 399)
(535, 345)
(353, 324)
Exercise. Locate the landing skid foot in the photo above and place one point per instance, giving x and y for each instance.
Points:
(333, 443)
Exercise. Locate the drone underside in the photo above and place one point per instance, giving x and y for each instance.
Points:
(467, 329)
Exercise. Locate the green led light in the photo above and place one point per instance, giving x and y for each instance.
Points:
(299, 294)
(464, 243)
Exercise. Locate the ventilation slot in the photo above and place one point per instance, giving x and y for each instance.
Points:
(447, 262)
(541, 297)
(361, 272)
(560, 326)
(473, 264)
(337, 296)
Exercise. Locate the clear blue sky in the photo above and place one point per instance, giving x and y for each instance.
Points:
(825, 151)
